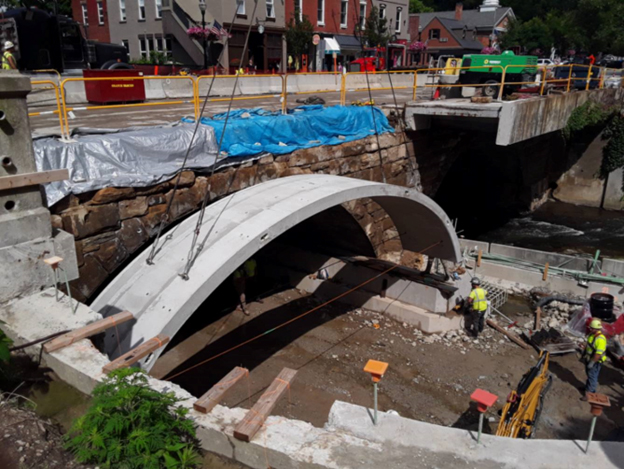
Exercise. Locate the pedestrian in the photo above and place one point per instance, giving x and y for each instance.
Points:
(477, 300)
(242, 277)
(594, 356)
(8, 59)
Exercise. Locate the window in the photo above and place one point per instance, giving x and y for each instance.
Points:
(158, 8)
(240, 7)
(320, 12)
(344, 9)
(363, 14)
(299, 9)
(126, 44)
(141, 10)
(159, 44)
(122, 10)
(397, 25)
(168, 47)
(434, 34)
(382, 11)
(270, 9)
(100, 8)
(85, 14)
(143, 46)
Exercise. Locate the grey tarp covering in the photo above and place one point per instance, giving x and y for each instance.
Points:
(135, 158)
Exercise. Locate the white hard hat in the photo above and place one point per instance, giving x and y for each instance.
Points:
(8, 45)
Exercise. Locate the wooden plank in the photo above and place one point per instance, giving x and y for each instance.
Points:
(137, 353)
(538, 319)
(545, 276)
(87, 331)
(32, 179)
(207, 402)
(253, 421)
(509, 334)
(479, 257)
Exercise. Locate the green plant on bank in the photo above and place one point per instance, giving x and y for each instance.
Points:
(5, 345)
(129, 425)
(590, 115)
(613, 152)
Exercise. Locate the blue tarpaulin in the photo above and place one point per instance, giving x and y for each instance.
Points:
(254, 131)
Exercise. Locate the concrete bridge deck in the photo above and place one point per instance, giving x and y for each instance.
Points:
(513, 121)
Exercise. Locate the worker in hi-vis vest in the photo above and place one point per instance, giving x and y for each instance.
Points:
(8, 59)
(594, 355)
(245, 274)
(478, 303)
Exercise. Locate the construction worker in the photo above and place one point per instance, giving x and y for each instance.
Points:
(477, 300)
(594, 355)
(8, 59)
(244, 274)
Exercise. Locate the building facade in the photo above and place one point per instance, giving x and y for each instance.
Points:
(93, 14)
(459, 31)
(338, 24)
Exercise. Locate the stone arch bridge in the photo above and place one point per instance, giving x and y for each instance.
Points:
(246, 221)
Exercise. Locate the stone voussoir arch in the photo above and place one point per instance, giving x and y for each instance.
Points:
(246, 221)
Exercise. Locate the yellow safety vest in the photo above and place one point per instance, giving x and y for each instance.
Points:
(597, 344)
(479, 303)
(248, 270)
(6, 65)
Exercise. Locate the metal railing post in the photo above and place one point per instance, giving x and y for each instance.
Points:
(414, 94)
(502, 85)
(589, 74)
(570, 78)
(545, 70)
(285, 94)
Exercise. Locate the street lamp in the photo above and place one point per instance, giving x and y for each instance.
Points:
(202, 8)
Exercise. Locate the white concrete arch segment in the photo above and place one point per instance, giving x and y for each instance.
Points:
(246, 221)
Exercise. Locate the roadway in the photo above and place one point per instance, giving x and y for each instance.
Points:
(159, 115)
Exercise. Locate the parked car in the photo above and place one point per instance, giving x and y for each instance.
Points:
(545, 63)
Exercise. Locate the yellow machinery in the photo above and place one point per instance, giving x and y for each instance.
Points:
(524, 405)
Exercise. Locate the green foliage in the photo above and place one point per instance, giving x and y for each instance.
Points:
(62, 7)
(299, 34)
(589, 116)
(376, 32)
(5, 345)
(155, 58)
(418, 6)
(613, 152)
(130, 425)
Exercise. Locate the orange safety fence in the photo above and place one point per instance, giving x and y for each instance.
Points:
(339, 76)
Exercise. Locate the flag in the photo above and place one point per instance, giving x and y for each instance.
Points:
(218, 30)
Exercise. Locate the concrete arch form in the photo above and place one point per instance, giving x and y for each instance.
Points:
(247, 221)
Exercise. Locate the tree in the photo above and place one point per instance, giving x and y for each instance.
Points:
(299, 34)
(417, 6)
(376, 32)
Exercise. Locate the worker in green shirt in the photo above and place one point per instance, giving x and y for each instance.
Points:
(245, 274)
(477, 300)
(594, 355)
(8, 59)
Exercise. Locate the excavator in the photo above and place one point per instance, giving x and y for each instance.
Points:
(524, 405)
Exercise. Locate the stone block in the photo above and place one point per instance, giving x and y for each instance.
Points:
(269, 171)
(57, 222)
(366, 174)
(243, 178)
(152, 220)
(320, 167)
(348, 165)
(388, 139)
(368, 160)
(92, 275)
(265, 160)
(219, 183)
(22, 226)
(87, 221)
(111, 254)
(187, 179)
(133, 208)
(354, 148)
(305, 157)
(112, 194)
(133, 234)
(93, 243)
(185, 201)
(294, 172)
(158, 188)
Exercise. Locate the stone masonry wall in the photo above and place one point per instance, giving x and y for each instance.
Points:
(111, 224)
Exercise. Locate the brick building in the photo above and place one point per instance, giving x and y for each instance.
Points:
(459, 31)
(335, 22)
(93, 14)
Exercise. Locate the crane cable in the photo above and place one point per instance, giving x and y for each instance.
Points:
(165, 218)
(316, 308)
(191, 257)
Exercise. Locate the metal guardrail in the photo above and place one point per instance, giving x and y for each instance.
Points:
(342, 87)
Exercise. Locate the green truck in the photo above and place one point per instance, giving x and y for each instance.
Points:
(488, 70)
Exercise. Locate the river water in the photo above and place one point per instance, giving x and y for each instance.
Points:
(564, 228)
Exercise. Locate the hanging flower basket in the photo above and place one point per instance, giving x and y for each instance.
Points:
(418, 46)
(200, 34)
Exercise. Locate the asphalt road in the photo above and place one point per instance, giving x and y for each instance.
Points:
(158, 115)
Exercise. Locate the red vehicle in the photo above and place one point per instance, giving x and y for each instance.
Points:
(375, 59)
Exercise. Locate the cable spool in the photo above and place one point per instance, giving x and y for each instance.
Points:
(601, 306)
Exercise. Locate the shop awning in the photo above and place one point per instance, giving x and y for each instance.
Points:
(331, 46)
(349, 43)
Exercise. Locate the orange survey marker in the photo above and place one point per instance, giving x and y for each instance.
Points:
(376, 369)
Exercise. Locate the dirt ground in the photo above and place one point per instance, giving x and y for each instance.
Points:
(430, 378)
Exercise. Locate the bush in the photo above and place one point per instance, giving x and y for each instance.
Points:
(613, 152)
(587, 117)
(129, 425)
